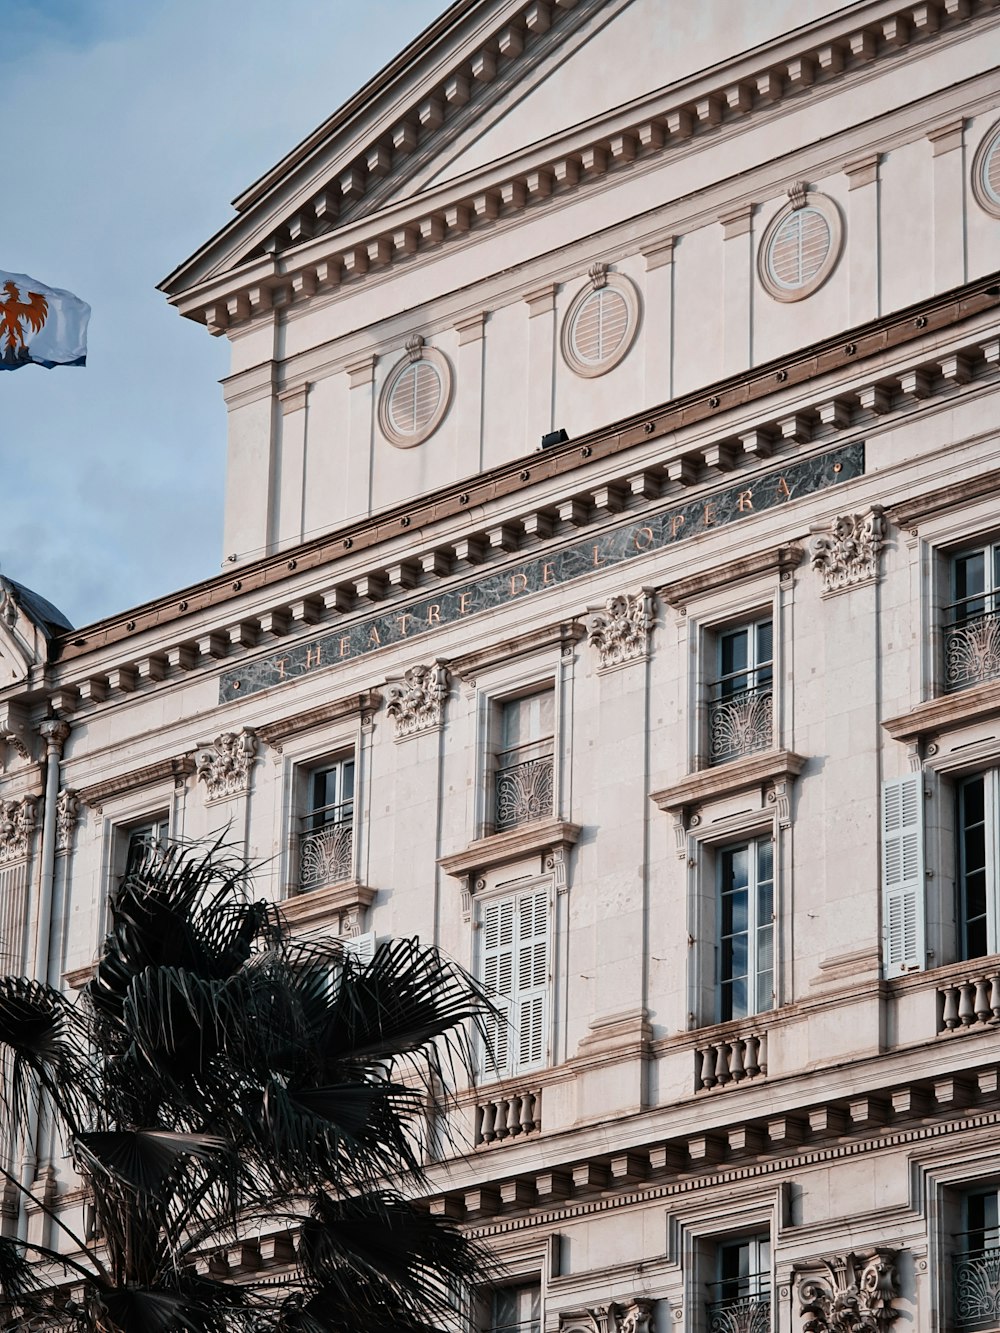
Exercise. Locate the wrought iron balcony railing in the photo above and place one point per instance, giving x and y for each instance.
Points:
(741, 1314)
(740, 723)
(524, 789)
(971, 647)
(326, 853)
(976, 1283)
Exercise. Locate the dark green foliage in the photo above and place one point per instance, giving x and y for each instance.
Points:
(220, 1078)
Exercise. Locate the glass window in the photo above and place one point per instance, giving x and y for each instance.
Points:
(972, 619)
(142, 839)
(746, 929)
(978, 856)
(740, 712)
(326, 836)
(740, 1296)
(523, 783)
(516, 1310)
(976, 1263)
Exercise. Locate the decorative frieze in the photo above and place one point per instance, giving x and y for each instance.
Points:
(854, 1294)
(620, 632)
(416, 703)
(68, 807)
(17, 825)
(848, 553)
(225, 766)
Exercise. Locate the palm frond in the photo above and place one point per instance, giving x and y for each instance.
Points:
(40, 1037)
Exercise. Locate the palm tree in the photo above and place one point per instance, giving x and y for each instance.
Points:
(219, 1079)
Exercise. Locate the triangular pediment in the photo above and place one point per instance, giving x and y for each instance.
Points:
(488, 85)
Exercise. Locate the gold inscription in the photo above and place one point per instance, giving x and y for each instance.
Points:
(744, 501)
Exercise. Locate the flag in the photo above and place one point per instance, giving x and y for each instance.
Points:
(40, 325)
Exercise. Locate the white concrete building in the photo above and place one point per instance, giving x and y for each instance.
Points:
(682, 731)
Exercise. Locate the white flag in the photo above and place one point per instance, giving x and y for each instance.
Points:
(40, 325)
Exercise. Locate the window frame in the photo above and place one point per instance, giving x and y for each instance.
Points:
(990, 778)
(754, 847)
(714, 636)
(496, 748)
(306, 775)
(830, 211)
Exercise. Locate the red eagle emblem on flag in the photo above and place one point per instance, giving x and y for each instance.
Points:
(17, 317)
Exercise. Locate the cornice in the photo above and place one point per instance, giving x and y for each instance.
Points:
(499, 848)
(943, 498)
(945, 713)
(294, 268)
(756, 770)
(672, 448)
(175, 769)
(275, 733)
(779, 560)
(470, 665)
(320, 905)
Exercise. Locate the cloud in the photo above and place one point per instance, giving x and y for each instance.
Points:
(139, 124)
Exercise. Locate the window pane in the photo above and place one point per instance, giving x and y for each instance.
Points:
(734, 999)
(735, 912)
(765, 859)
(765, 991)
(734, 651)
(973, 794)
(734, 957)
(765, 638)
(735, 868)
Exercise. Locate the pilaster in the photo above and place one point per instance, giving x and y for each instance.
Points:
(541, 305)
(357, 466)
(947, 143)
(737, 287)
(863, 256)
(658, 320)
(469, 386)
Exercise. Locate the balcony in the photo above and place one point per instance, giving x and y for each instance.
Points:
(740, 1314)
(971, 647)
(508, 1115)
(731, 1059)
(976, 1284)
(972, 1001)
(524, 785)
(326, 851)
(740, 722)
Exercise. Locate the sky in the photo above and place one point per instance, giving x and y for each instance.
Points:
(130, 126)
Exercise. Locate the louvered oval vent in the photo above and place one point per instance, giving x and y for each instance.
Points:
(986, 173)
(415, 398)
(801, 246)
(601, 326)
(600, 323)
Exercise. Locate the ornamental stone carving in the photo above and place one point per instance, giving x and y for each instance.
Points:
(8, 606)
(854, 1295)
(67, 815)
(848, 554)
(416, 703)
(620, 632)
(636, 1316)
(17, 824)
(225, 766)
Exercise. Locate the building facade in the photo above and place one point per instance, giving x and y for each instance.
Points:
(612, 598)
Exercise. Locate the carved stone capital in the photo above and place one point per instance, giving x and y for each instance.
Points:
(848, 553)
(225, 766)
(620, 632)
(68, 806)
(17, 825)
(416, 702)
(853, 1293)
(54, 731)
(635, 1316)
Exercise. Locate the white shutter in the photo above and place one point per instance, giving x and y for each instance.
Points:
(532, 978)
(498, 978)
(903, 911)
(362, 946)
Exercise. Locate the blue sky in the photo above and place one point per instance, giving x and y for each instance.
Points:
(136, 124)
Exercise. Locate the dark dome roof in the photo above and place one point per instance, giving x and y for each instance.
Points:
(49, 619)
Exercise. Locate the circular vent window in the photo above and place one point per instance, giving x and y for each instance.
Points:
(415, 397)
(800, 249)
(600, 324)
(986, 173)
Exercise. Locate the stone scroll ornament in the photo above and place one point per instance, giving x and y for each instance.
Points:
(854, 1295)
(225, 766)
(620, 632)
(636, 1316)
(17, 824)
(67, 814)
(849, 552)
(416, 703)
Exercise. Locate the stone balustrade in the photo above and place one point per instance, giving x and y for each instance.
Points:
(730, 1060)
(969, 1002)
(508, 1115)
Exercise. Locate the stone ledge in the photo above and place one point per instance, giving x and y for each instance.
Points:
(725, 779)
(175, 769)
(948, 710)
(315, 906)
(539, 836)
(273, 733)
(780, 558)
(909, 512)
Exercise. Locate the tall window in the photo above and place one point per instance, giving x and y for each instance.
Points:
(326, 837)
(978, 857)
(523, 781)
(740, 712)
(740, 1296)
(976, 1263)
(972, 621)
(141, 839)
(746, 929)
(514, 967)
(516, 1309)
